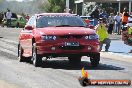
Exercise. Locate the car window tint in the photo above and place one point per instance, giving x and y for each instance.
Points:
(50, 21)
(31, 21)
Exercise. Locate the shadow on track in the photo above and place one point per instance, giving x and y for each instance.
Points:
(64, 64)
(1, 37)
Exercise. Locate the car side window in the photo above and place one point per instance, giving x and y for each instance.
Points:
(31, 21)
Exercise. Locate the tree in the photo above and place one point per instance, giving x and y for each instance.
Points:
(56, 5)
(26, 6)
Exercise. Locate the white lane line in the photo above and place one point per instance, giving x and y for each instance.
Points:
(8, 51)
(10, 41)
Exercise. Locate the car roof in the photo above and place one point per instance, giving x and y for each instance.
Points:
(85, 16)
(19, 16)
(50, 14)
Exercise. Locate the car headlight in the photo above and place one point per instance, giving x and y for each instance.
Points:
(93, 36)
(48, 37)
(86, 37)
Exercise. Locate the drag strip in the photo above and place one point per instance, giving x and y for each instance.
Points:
(56, 72)
(8, 49)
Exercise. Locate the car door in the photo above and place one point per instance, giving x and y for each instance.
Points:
(26, 38)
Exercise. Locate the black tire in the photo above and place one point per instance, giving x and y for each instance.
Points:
(17, 25)
(20, 52)
(75, 60)
(37, 60)
(95, 60)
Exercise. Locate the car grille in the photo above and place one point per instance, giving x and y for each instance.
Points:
(71, 36)
(71, 47)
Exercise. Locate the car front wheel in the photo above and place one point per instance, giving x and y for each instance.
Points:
(21, 58)
(95, 60)
(37, 60)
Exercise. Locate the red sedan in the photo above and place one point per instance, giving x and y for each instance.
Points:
(50, 35)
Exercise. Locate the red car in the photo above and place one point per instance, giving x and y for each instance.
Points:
(50, 35)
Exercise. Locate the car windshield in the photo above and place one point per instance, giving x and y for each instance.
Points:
(60, 21)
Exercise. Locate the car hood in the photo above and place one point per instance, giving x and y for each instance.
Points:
(65, 31)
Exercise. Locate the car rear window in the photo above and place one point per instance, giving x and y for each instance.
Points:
(59, 21)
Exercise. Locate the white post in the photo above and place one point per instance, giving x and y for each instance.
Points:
(76, 8)
(129, 6)
(67, 6)
(119, 7)
(82, 7)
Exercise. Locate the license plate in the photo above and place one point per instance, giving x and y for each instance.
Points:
(71, 43)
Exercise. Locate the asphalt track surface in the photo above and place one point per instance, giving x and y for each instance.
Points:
(54, 73)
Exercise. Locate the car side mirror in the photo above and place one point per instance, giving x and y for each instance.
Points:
(28, 27)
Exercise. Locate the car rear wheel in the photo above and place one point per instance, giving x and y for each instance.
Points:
(95, 60)
(74, 60)
(37, 60)
(21, 58)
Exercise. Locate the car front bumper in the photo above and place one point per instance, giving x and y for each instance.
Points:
(59, 48)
